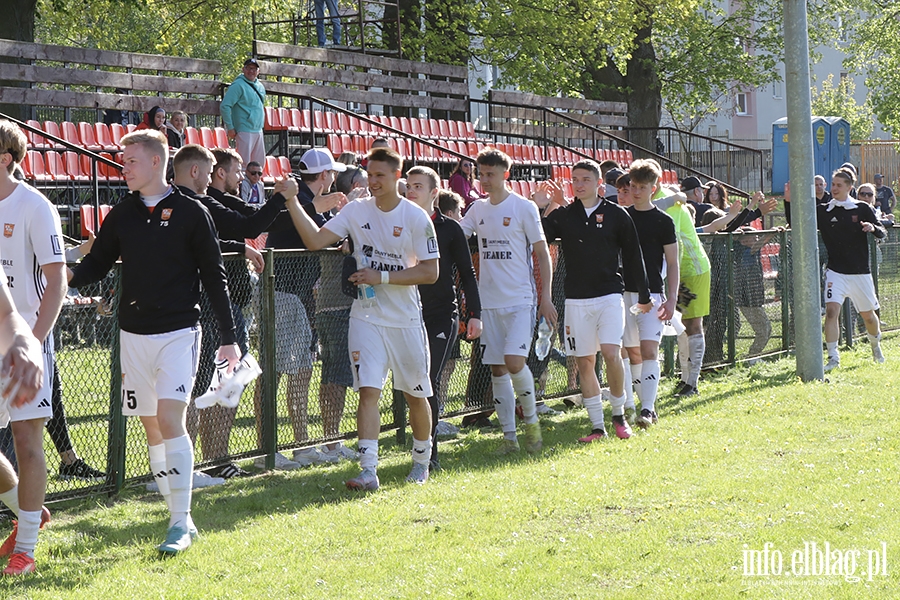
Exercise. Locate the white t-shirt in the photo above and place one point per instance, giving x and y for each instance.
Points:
(506, 232)
(32, 237)
(388, 241)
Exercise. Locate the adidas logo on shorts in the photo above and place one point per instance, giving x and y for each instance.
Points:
(418, 388)
(523, 347)
(44, 403)
(180, 388)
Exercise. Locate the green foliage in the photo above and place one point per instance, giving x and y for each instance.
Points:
(210, 29)
(838, 101)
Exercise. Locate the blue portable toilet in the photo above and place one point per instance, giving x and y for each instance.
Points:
(838, 143)
(824, 149)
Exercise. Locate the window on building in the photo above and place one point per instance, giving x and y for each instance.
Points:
(778, 89)
(742, 104)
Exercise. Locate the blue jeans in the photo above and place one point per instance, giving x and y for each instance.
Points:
(320, 21)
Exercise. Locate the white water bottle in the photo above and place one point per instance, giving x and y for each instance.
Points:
(365, 293)
(542, 345)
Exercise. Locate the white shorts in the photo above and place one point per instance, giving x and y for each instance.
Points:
(41, 407)
(404, 351)
(594, 321)
(158, 365)
(293, 335)
(643, 327)
(506, 332)
(859, 288)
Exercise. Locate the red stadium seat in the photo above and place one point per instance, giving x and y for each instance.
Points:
(425, 128)
(87, 137)
(470, 130)
(36, 140)
(221, 137)
(271, 170)
(103, 135)
(285, 164)
(452, 130)
(346, 144)
(106, 171)
(192, 136)
(333, 142)
(343, 122)
(284, 117)
(415, 127)
(34, 168)
(53, 129)
(208, 138)
(300, 119)
(116, 131)
(353, 125)
(444, 128)
(435, 128)
(318, 121)
(72, 166)
(272, 121)
(330, 122)
(55, 168)
(402, 147)
(86, 211)
(131, 127)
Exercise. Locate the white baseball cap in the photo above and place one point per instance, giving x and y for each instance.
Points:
(316, 160)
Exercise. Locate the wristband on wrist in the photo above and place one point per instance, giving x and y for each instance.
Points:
(385, 277)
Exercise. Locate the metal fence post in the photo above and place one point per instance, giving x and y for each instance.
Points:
(847, 310)
(729, 300)
(398, 407)
(269, 379)
(668, 349)
(873, 260)
(784, 274)
(117, 430)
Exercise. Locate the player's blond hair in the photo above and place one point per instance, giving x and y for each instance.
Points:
(153, 141)
(12, 140)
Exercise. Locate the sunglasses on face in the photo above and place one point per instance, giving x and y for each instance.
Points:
(865, 194)
(254, 172)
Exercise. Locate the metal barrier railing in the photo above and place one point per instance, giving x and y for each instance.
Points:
(296, 325)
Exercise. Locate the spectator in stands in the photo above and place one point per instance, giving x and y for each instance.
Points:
(243, 111)
(295, 279)
(155, 118)
(353, 183)
(34, 266)
(175, 129)
(439, 309)
(253, 191)
(716, 195)
(868, 193)
(462, 181)
(379, 142)
(885, 195)
(162, 269)
(609, 183)
(335, 15)
(348, 158)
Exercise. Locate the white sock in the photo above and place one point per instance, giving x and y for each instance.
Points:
(11, 500)
(649, 383)
(421, 451)
(158, 470)
(635, 374)
(832, 350)
(26, 538)
(618, 405)
(523, 384)
(368, 454)
(629, 389)
(696, 348)
(683, 355)
(874, 339)
(505, 403)
(179, 471)
(594, 408)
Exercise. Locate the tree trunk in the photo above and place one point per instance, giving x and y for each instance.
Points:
(17, 24)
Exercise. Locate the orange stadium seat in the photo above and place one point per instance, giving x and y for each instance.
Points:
(192, 136)
(72, 166)
(34, 168)
(55, 168)
(343, 122)
(272, 121)
(86, 211)
(103, 135)
(285, 163)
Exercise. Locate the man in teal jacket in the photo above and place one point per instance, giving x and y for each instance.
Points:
(244, 114)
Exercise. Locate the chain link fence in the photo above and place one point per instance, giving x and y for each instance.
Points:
(294, 319)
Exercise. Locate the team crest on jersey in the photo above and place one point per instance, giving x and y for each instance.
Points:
(397, 231)
(506, 221)
(166, 213)
(568, 332)
(8, 229)
(355, 355)
(855, 218)
(599, 218)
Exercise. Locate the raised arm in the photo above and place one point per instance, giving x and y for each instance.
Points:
(312, 236)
